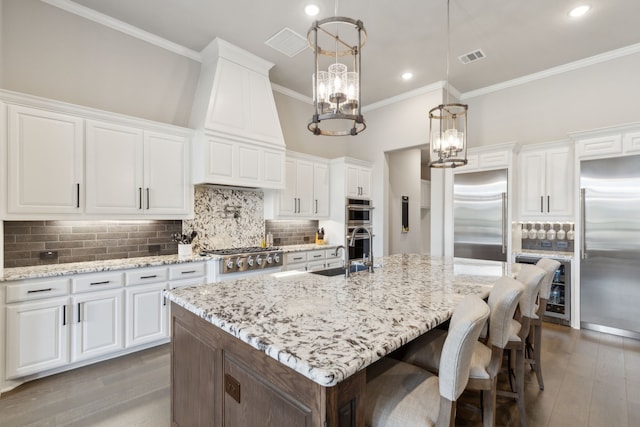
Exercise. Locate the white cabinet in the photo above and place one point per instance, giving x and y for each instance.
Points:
(317, 259)
(227, 162)
(321, 190)
(358, 181)
(36, 336)
(44, 161)
(146, 309)
(97, 324)
(132, 172)
(306, 191)
(546, 181)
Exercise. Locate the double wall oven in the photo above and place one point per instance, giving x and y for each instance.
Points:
(358, 213)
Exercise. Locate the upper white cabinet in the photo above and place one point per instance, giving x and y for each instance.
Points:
(68, 161)
(44, 161)
(131, 171)
(488, 158)
(306, 192)
(546, 181)
(358, 179)
(611, 142)
(220, 161)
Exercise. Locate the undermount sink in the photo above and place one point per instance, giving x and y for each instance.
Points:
(337, 271)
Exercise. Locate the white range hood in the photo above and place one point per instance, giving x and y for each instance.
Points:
(239, 140)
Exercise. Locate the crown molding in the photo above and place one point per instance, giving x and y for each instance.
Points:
(571, 66)
(123, 27)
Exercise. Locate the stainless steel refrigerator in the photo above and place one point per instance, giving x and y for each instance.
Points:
(610, 252)
(479, 215)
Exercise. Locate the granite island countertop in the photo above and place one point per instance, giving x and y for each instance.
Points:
(328, 328)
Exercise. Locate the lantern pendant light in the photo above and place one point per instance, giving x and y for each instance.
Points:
(336, 91)
(448, 127)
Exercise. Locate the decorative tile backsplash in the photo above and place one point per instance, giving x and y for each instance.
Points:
(29, 243)
(226, 217)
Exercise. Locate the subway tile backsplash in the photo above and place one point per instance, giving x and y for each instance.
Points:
(28, 243)
(292, 232)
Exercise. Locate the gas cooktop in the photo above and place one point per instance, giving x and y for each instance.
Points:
(238, 251)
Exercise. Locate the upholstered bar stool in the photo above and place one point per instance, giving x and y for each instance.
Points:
(531, 277)
(486, 361)
(399, 394)
(534, 341)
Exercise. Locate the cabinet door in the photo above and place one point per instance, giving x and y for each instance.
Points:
(220, 161)
(37, 337)
(97, 324)
(532, 189)
(45, 157)
(249, 164)
(165, 174)
(304, 173)
(364, 181)
(288, 197)
(559, 182)
(114, 169)
(146, 311)
(353, 187)
(272, 169)
(320, 190)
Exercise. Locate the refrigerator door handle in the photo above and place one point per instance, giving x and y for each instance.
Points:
(583, 242)
(504, 223)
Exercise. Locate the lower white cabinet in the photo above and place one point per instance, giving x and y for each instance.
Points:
(146, 314)
(97, 324)
(318, 259)
(37, 336)
(58, 322)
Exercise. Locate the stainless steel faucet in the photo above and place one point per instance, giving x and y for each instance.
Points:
(352, 242)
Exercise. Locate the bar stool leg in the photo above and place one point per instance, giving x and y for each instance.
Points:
(537, 346)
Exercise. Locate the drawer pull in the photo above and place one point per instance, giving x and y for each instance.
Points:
(317, 256)
(297, 258)
(188, 272)
(149, 277)
(99, 283)
(35, 291)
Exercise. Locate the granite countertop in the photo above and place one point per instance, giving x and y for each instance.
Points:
(328, 328)
(52, 270)
(306, 247)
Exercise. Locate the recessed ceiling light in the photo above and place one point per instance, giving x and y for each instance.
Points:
(577, 12)
(407, 76)
(312, 10)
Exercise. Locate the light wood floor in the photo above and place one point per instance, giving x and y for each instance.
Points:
(591, 379)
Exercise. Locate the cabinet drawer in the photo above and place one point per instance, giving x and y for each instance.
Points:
(194, 281)
(187, 270)
(331, 254)
(147, 275)
(31, 290)
(316, 255)
(96, 282)
(294, 257)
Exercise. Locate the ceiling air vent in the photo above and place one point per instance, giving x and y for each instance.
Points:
(288, 42)
(476, 55)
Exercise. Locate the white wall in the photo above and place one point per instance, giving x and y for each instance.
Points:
(49, 52)
(404, 167)
(400, 125)
(600, 95)
(294, 116)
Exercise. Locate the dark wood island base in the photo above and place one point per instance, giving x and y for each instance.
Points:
(218, 380)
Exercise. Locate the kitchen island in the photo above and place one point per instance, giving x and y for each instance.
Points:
(291, 348)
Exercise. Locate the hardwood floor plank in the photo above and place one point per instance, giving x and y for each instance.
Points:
(591, 379)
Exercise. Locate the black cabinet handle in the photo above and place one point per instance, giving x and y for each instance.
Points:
(548, 203)
(64, 315)
(139, 197)
(147, 198)
(78, 195)
(99, 283)
(35, 291)
(188, 272)
(541, 204)
(148, 277)
(316, 205)
(79, 320)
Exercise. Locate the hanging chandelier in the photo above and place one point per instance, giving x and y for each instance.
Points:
(336, 88)
(448, 127)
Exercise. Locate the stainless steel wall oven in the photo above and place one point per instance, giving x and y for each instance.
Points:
(358, 212)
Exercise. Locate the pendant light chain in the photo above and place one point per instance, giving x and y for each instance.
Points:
(448, 48)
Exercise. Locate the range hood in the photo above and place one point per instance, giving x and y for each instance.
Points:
(238, 140)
